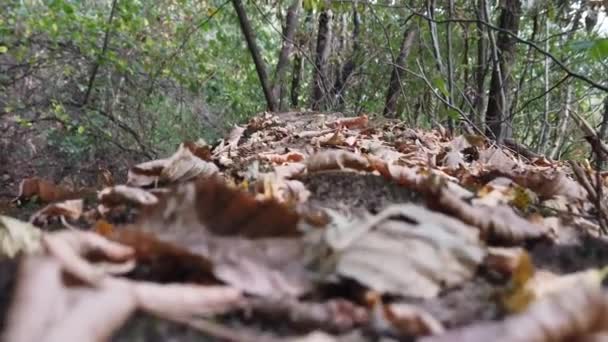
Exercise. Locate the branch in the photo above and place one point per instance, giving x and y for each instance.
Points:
(106, 41)
(260, 66)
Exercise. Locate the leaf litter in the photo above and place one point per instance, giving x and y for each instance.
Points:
(338, 228)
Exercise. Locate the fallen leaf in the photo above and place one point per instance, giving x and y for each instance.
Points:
(44, 190)
(498, 224)
(572, 314)
(402, 319)
(417, 255)
(284, 158)
(122, 194)
(18, 236)
(146, 174)
(70, 209)
(185, 165)
(336, 160)
(358, 122)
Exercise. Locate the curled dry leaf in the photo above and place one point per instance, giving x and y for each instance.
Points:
(146, 174)
(44, 190)
(402, 319)
(548, 183)
(497, 224)
(417, 255)
(183, 165)
(18, 236)
(212, 206)
(252, 245)
(69, 209)
(284, 158)
(572, 314)
(336, 160)
(358, 122)
(122, 194)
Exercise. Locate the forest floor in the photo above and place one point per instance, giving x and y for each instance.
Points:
(335, 228)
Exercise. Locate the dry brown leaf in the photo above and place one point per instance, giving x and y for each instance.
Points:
(358, 122)
(44, 190)
(336, 160)
(161, 261)
(568, 315)
(185, 165)
(288, 157)
(498, 224)
(69, 209)
(252, 245)
(402, 319)
(122, 194)
(213, 206)
(146, 174)
(72, 311)
(437, 251)
(548, 184)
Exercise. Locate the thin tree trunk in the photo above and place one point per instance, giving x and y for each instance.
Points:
(523, 76)
(394, 85)
(322, 54)
(450, 53)
(106, 41)
(498, 104)
(349, 66)
(291, 23)
(260, 66)
(602, 135)
(296, 80)
(563, 125)
(564, 119)
(481, 67)
(430, 8)
(544, 130)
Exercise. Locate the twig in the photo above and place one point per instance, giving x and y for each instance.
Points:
(594, 195)
(106, 41)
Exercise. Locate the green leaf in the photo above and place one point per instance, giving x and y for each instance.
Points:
(3, 49)
(439, 83)
(599, 50)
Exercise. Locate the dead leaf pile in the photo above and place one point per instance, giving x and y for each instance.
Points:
(236, 227)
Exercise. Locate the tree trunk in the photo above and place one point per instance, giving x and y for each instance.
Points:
(481, 67)
(498, 104)
(600, 158)
(322, 54)
(291, 23)
(260, 66)
(563, 125)
(394, 85)
(545, 127)
(296, 80)
(349, 66)
(564, 119)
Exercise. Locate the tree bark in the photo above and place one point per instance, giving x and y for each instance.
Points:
(260, 66)
(394, 85)
(481, 67)
(291, 23)
(498, 104)
(564, 119)
(349, 66)
(321, 57)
